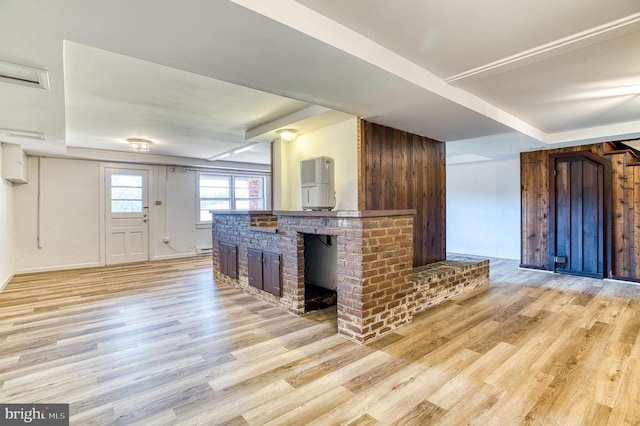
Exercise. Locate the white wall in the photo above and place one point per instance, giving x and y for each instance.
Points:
(7, 258)
(175, 218)
(69, 215)
(70, 236)
(339, 141)
(483, 208)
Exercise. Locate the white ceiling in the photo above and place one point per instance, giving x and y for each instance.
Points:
(201, 77)
(111, 97)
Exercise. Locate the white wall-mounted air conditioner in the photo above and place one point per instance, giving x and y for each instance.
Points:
(317, 188)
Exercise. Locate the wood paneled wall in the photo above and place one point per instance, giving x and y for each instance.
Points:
(625, 210)
(626, 218)
(534, 208)
(400, 170)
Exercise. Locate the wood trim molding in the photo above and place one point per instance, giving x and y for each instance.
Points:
(362, 203)
(590, 36)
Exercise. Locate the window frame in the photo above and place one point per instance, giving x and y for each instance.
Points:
(114, 186)
(235, 198)
(266, 201)
(199, 199)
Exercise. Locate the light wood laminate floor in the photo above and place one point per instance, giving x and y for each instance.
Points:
(159, 343)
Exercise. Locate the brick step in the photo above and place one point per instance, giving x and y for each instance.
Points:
(437, 282)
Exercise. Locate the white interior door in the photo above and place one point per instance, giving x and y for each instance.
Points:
(127, 216)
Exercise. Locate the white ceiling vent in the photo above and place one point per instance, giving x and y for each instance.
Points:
(24, 75)
(23, 134)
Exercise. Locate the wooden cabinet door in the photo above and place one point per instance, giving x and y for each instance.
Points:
(232, 261)
(254, 264)
(271, 273)
(223, 253)
(229, 260)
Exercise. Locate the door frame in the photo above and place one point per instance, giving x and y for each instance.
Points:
(103, 205)
(606, 200)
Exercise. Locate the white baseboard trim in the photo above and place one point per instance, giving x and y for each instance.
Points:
(177, 256)
(58, 268)
(4, 283)
(94, 264)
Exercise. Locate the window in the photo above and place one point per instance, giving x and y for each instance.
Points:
(215, 194)
(229, 192)
(249, 193)
(126, 193)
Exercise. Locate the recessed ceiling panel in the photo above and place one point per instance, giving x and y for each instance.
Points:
(449, 37)
(593, 86)
(112, 97)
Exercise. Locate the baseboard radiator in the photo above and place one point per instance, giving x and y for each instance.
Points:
(204, 250)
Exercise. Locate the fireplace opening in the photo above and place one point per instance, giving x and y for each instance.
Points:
(320, 271)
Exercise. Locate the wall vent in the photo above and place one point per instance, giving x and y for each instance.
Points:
(23, 134)
(24, 75)
(204, 250)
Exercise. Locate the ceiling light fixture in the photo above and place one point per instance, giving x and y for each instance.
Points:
(220, 156)
(233, 151)
(247, 147)
(139, 145)
(288, 134)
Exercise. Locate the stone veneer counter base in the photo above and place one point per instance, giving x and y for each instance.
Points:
(378, 288)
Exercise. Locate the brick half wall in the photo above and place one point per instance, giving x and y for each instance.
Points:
(377, 286)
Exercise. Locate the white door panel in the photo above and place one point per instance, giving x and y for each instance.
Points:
(117, 244)
(136, 242)
(127, 216)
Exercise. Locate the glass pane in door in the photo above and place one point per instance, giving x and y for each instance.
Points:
(126, 193)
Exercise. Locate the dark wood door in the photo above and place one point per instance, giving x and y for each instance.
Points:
(254, 266)
(271, 273)
(228, 259)
(577, 244)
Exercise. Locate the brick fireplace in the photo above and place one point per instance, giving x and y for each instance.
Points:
(262, 253)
